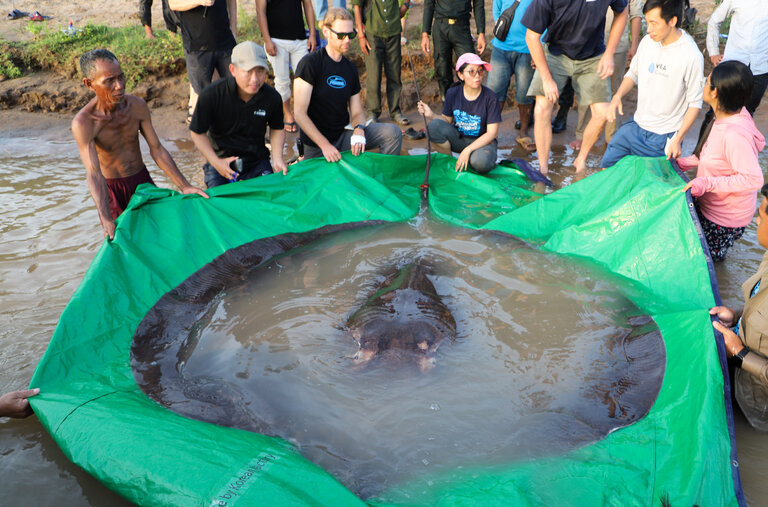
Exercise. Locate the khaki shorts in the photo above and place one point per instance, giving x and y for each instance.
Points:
(587, 85)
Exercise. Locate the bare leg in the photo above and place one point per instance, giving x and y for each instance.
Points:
(525, 118)
(591, 134)
(542, 129)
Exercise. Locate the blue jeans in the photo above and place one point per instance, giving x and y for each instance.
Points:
(321, 7)
(630, 139)
(504, 64)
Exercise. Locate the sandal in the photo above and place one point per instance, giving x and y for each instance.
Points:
(290, 127)
(17, 14)
(526, 143)
(36, 16)
(414, 134)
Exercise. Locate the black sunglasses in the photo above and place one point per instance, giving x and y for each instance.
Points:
(341, 35)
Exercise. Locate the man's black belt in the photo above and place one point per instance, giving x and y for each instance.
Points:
(453, 21)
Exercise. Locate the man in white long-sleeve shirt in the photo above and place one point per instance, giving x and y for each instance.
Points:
(747, 43)
(668, 70)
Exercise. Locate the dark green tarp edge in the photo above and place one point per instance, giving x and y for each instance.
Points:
(632, 220)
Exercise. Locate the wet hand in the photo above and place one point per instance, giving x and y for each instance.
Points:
(222, 167)
(724, 314)
(16, 405)
(605, 66)
(614, 106)
(190, 189)
(109, 228)
(330, 153)
(278, 166)
(675, 149)
(462, 164)
(733, 344)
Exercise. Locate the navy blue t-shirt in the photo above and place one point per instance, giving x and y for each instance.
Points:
(574, 27)
(471, 117)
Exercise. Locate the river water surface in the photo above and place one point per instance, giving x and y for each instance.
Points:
(49, 233)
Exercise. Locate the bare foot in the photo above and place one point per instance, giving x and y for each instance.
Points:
(148, 32)
(575, 144)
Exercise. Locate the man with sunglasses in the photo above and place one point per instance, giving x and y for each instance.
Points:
(327, 96)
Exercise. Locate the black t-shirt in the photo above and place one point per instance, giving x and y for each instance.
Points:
(574, 27)
(333, 83)
(285, 19)
(471, 117)
(206, 28)
(237, 128)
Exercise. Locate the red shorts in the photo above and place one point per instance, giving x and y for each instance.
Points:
(121, 190)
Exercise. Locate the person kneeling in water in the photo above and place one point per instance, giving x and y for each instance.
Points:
(470, 119)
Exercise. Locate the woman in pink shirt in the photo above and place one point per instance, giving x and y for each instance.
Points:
(729, 176)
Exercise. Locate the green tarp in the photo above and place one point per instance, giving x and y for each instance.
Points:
(632, 220)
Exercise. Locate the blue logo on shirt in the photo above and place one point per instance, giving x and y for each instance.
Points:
(651, 67)
(336, 82)
(466, 123)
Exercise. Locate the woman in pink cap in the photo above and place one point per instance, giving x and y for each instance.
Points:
(471, 117)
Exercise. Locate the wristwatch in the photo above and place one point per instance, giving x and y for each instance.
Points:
(739, 358)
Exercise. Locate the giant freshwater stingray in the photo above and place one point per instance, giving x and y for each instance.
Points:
(618, 391)
(404, 313)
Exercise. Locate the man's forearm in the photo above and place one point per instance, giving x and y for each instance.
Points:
(617, 30)
(479, 6)
(165, 162)
(261, 17)
(97, 185)
(688, 120)
(533, 41)
(277, 141)
(626, 85)
(232, 11)
(203, 145)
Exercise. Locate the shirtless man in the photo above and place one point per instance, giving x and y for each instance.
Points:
(106, 131)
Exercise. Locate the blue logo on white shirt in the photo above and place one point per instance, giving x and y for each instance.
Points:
(337, 82)
(651, 67)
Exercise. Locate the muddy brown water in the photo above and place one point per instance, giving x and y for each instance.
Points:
(49, 234)
(542, 344)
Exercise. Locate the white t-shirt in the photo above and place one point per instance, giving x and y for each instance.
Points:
(669, 80)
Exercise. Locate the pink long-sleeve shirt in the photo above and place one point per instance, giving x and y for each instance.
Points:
(729, 174)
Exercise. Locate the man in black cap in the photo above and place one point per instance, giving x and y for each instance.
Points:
(231, 119)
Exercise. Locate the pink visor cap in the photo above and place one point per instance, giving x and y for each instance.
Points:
(472, 59)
